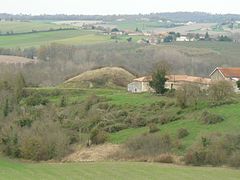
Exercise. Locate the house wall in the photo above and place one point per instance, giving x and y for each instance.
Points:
(217, 76)
(135, 87)
(138, 87)
(179, 84)
(145, 87)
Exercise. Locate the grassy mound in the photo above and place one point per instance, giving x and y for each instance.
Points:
(103, 77)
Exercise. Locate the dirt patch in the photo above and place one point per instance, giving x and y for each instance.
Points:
(94, 153)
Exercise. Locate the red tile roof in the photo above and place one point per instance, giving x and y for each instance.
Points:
(190, 79)
(230, 72)
(178, 78)
(143, 79)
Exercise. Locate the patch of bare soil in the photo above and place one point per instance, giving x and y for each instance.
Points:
(93, 153)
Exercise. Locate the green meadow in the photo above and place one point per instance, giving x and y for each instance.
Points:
(11, 169)
(139, 103)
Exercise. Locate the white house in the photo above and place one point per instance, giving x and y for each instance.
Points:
(140, 85)
(184, 39)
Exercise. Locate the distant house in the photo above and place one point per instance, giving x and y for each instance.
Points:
(140, 85)
(230, 74)
(185, 39)
(174, 82)
(182, 39)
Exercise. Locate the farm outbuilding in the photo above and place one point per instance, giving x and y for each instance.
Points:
(174, 82)
(140, 85)
(229, 74)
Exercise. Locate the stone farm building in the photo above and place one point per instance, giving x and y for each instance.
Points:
(229, 74)
(174, 82)
(140, 85)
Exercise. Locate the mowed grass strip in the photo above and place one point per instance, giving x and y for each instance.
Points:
(10, 169)
(27, 26)
(76, 37)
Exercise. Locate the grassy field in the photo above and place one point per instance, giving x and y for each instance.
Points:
(23, 27)
(139, 102)
(191, 122)
(114, 96)
(10, 169)
(73, 37)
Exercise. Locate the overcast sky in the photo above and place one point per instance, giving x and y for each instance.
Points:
(117, 6)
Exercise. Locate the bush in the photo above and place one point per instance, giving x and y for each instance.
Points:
(221, 92)
(135, 120)
(115, 127)
(153, 128)
(182, 133)
(148, 145)
(98, 136)
(36, 99)
(188, 95)
(92, 100)
(215, 150)
(238, 84)
(209, 118)
(167, 118)
(164, 158)
(44, 140)
(195, 157)
(234, 160)
(63, 102)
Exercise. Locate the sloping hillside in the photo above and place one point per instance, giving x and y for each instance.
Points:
(103, 77)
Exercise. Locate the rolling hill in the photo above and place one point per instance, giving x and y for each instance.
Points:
(103, 77)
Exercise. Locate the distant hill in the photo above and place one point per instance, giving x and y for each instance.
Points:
(103, 77)
(174, 16)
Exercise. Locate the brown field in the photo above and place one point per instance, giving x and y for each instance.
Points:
(15, 60)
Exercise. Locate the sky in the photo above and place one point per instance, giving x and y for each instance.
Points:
(106, 7)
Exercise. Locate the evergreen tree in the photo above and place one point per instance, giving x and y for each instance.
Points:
(159, 78)
(6, 108)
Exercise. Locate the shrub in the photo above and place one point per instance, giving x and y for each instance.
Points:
(209, 118)
(234, 160)
(188, 95)
(153, 128)
(44, 140)
(115, 127)
(63, 101)
(238, 84)
(91, 100)
(148, 145)
(182, 133)
(167, 118)
(220, 92)
(98, 136)
(164, 158)
(215, 150)
(195, 157)
(135, 120)
(25, 122)
(36, 99)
